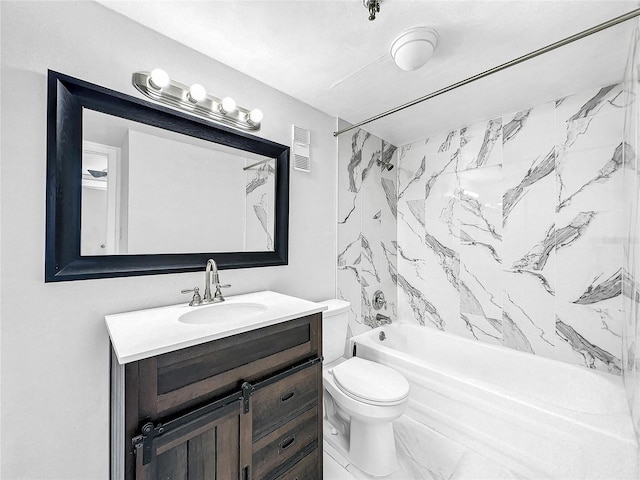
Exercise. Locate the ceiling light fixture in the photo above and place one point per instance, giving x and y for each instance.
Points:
(373, 6)
(195, 100)
(413, 48)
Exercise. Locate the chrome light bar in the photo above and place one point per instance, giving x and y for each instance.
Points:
(157, 86)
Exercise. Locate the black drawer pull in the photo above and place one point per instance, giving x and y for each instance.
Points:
(286, 443)
(285, 397)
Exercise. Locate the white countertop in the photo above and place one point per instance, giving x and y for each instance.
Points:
(147, 333)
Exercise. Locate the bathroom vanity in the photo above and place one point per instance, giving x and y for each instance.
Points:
(224, 391)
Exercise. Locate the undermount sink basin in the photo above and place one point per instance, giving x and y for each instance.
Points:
(222, 313)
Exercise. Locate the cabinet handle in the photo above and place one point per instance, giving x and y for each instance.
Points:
(285, 397)
(286, 443)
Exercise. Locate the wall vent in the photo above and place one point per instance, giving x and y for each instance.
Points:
(300, 143)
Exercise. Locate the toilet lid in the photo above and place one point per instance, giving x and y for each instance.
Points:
(370, 382)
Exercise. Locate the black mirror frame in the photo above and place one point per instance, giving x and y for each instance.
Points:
(66, 98)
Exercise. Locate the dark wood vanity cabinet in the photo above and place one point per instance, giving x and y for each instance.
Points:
(243, 407)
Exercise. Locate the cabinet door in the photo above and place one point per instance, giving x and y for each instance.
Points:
(212, 447)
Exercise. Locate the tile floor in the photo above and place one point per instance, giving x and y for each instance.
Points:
(423, 454)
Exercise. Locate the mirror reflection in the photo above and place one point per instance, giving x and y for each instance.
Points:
(147, 190)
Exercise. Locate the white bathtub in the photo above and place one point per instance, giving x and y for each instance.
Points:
(539, 417)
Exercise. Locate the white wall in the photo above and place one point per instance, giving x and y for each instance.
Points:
(55, 348)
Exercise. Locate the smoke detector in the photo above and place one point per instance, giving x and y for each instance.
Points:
(413, 48)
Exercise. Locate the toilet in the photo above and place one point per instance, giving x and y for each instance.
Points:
(361, 397)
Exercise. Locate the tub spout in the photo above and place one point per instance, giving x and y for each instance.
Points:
(382, 319)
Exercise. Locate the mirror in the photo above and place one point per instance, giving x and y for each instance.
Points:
(152, 191)
(135, 188)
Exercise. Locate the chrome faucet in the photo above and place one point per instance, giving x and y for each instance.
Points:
(212, 268)
(217, 297)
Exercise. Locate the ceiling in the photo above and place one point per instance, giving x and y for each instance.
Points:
(330, 56)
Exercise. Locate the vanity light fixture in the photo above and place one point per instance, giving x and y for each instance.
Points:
(195, 100)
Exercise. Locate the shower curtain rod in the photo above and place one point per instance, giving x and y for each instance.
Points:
(257, 163)
(486, 73)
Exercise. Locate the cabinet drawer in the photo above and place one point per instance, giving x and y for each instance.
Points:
(276, 404)
(281, 446)
(306, 469)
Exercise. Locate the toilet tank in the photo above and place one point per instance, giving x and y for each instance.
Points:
(334, 328)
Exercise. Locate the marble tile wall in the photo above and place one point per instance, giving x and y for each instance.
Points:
(510, 230)
(366, 228)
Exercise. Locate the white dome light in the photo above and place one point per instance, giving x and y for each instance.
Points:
(413, 48)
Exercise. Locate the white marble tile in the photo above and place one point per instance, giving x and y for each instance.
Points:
(588, 297)
(350, 289)
(389, 231)
(411, 247)
(376, 276)
(423, 259)
(528, 166)
(415, 303)
(528, 313)
(528, 134)
(441, 215)
(349, 211)
(481, 145)
(378, 237)
(528, 302)
(588, 252)
(576, 116)
(587, 335)
(528, 208)
(411, 170)
(590, 178)
(442, 154)
(349, 241)
(481, 252)
(480, 210)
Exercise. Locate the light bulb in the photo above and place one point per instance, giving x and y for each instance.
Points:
(228, 105)
(159, 78)
(197, 93)
(254, 117)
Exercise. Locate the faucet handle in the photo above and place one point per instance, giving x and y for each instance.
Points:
(217, 296)
(197, 299)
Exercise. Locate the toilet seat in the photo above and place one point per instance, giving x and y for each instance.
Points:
(371, 383)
